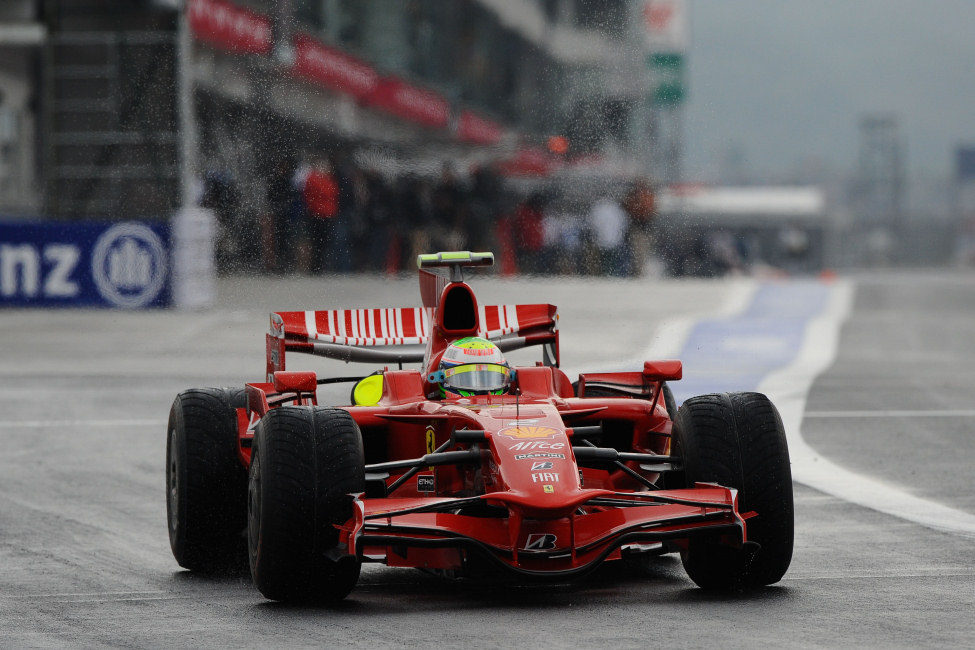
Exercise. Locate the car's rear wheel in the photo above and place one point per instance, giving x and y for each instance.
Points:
(206, 484)
(737, 440)
(306, 461)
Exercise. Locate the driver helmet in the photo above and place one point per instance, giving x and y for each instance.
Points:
(472, 366)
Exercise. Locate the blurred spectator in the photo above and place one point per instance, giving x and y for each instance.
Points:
(321, 194)
(484, 208)
(298, 217)
(723, 253)
(280, 196)
(358, 231)
(220, 195)
(377, 217)
(794, 245)
(563, 242)
(448, 194)
(639, 205)
(529, 234)
(413, 220)
(608, 223)
(348, 208)
(333, 216)
(449, 212)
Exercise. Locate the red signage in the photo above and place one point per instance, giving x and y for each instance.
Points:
(471, 127)
(229, 27)
(657, 15)
(332, 68)
(410, 103)
(528, 162)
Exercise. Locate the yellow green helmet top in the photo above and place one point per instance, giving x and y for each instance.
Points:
(473, 366)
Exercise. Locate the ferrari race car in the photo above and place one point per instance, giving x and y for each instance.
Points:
(546, 480)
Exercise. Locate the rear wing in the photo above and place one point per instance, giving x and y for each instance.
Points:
(399, 335)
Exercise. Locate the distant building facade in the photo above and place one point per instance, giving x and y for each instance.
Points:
(109, 107)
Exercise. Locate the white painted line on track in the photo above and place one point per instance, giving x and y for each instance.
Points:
(43, 424)
(670, 337)
(86, 390)
(909, 575)
(920, 413)
(788, 389)
(84, 594)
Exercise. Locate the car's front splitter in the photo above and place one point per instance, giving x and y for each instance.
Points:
(558, 547)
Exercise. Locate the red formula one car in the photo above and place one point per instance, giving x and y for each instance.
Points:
(547, 480)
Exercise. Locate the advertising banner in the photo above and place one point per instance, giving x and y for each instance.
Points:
(229, 27)
(471, 127)
(84, 264)
(411, 103)
(332, 68)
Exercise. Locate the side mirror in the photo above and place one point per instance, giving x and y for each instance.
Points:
(301, 381)
(663, 370)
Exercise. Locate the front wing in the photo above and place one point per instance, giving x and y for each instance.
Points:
(430, 532)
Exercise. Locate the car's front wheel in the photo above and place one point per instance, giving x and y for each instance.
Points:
(305, 464)
(737, 440)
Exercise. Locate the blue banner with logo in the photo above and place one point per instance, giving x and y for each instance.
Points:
(84, 264)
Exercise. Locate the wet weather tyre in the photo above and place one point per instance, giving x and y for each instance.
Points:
(670, 402)
(206, 484)
(306, 461)
(737, 440)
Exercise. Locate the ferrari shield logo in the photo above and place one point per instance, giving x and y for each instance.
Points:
(431, 436)
(529, 432)
(431, 440)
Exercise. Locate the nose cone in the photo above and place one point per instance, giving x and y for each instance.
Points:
(537, 463)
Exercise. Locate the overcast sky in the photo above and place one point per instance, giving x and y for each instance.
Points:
(785, 81)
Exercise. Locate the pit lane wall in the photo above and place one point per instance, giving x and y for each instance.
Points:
(124, 264)
(127, 264)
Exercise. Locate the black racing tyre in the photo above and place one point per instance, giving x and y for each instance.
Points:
(206, 483)
(737, 440)
(670, 402)
(305, 463)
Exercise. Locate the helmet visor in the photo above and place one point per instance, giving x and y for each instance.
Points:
(477, 377)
